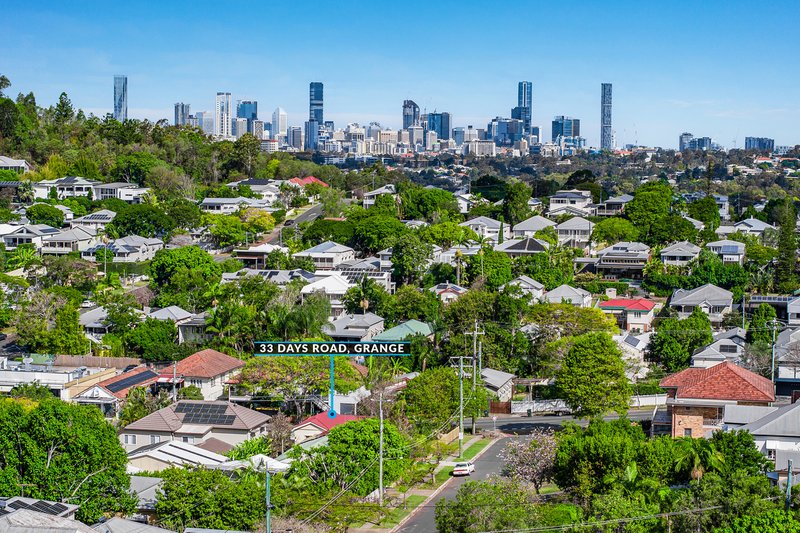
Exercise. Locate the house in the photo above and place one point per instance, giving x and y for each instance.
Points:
(97, 220)
(787, 361)
(371, 196)
(331, 285)
(488, 228)
(679, 254)
(164, 454)
(571, 202)
(77, 239)
(712, 300)
(465, 202)
(727, 345)
(566, 294)
(632, 314)
(194, 421)
(696, 397)
(120, 190)
(16, 503)
(65, 382)
(727, 250)
(528, 285)
(267, 189)
(20, 166)
(281, 278)
(108, 394)
(623, 260)
(173, 313)
(68, 187)
(256, 256)
(750, 226)
(194, 330)
(404, 331)
(529, 227)
(500, 383)
(633, 347)
(328, 255)
(575, 233)
(699, 226)
(723, 206)
(369, 267)
(93, 321)
(613, 206)
(448, 292)
(318, 425)
(787, 307)
(32, 234)
(30, 521)
(115, 524)
(777, 431)
(522, 247)
(130, 249)
(207, 370)
(308, 180)
(229, 206)
(354, 327)
(451, 255)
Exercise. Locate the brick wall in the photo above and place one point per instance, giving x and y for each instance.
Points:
(685, 417)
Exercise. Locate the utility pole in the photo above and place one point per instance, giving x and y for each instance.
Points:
(772, 372)
(743, 311)
(460, 406)
(475, 334)
(380, 452)
(174, 380)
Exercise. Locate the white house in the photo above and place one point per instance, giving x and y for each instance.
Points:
(498, 382)
(328, 255)
(750, 226)
(566, 294)
(32, 234)
(613, 206)
(571, 202)
(164, 454)
(575, 233)
(680, 253)
(778, 432)
(529, 227)
(333, 286)
(712, 300)
(120, 190)
(371, 196)
(20, 166)
(624, 259)
(522, 247)
(528, 285)
(67, 187)
(488, 228)
(448, 292)
(97, 220)
(208, 370)
(354, 327)
(727, 250)
(130, 249)
(73, 240)
(728, 345)
(228, 206)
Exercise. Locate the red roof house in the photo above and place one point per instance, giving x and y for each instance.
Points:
(308, 180)
(632, 314)
(696, 397)
(207, 369)
(319, 425)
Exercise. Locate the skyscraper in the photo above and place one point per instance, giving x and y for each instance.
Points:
(247, 109)
(182, 112)
(606, 141)
(222, 115)
(280, 123)
(684, 140)
(121, 98)
(410, 114)
(311, 136)
(240, 127)
(315, 102)
(565, 127)
(440, 123)
(762, 144)
(524, 109)
(205, 121)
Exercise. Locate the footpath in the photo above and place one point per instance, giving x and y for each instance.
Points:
(418, 497)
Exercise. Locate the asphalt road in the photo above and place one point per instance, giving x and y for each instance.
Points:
(522, 425)
(489, 463)
(306, 216)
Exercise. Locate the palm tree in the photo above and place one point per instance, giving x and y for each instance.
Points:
(459, 259)
(698, 456)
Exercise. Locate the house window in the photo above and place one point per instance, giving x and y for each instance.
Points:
(687, 432)
(189, 440)
(129, 439)
(771, 455)
(155, 439)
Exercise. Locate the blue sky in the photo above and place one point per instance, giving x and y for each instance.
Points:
(721, 69)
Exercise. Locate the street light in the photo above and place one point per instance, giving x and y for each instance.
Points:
(270, 466)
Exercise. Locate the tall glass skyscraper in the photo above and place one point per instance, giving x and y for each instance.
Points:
(247, 109)
(440, 123)
(182, 112)
(121, 98)
(222, 115)
(315, 102)
(606, 136)
(410, 114)
(524, 109)
(566, 127)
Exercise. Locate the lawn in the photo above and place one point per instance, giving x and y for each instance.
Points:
(396, 515)
(473, 450)
(440, 477)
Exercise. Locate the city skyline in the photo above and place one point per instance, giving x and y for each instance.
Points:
(659, 91)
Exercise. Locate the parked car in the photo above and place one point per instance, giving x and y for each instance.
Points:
(289, 222)
(463, 469)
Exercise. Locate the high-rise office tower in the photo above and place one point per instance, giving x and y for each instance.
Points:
(294, 137)
(258, 129)
(247, 109)
(315, 102)
(280, 123)
(311, 137)
(410, 114)
(684, 140)
(205, 121)
(762, 144)
(565, 127)
(524, 109)
(606, 136)
(182, 112)
(240, 127)
(440, 123)
(121, 98)
(222, 115)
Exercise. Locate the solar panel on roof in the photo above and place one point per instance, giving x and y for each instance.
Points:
(17, 504)
(130, 381)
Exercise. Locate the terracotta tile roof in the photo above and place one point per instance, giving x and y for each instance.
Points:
(308, 180)
(215, 445)
(326, 423)
(725, 381)
(629, 304)
(206, 364)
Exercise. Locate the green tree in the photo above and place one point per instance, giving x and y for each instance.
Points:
(227, 230)
(613, 230)
(495, 505)
(785, 276)
(650, 202)
(410, 257)
(447, 234)
(167, 263)
(208, 499)
(774, 521)
(515, 203)
(144, 220)
(494, 267)
(739, 452)
(139, 403)
(760, 328)
(63, 452)
(45, 214)
(706, 211)
(592, 378)
(676, 340)
(153, 340)
(378, 232)
(192, 392)
(246, 449)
